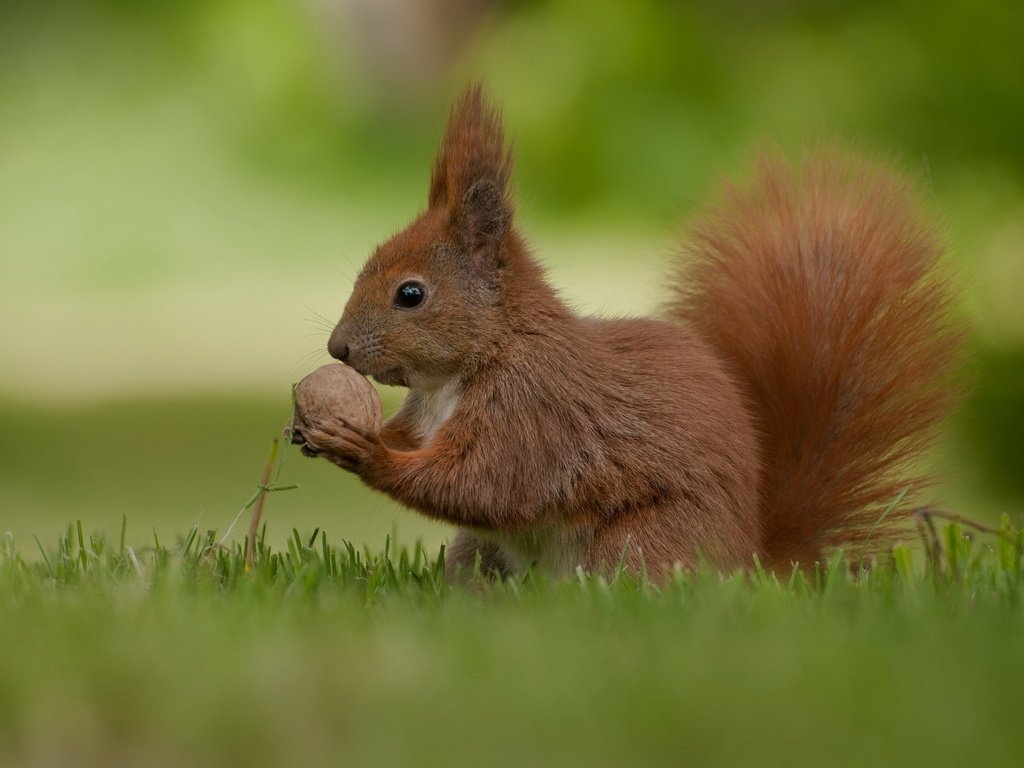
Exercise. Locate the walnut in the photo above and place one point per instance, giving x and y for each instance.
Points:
(336, 391)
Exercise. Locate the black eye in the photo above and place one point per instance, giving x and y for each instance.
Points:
(410, 294)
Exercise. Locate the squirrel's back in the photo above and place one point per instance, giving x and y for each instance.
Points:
(822, 286)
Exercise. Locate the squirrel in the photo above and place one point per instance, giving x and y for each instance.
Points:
(798, 370)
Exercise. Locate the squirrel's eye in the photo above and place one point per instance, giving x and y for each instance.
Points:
(410, 294)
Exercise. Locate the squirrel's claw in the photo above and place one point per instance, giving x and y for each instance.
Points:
(341, 442)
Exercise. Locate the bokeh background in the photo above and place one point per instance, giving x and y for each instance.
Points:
(188, 187)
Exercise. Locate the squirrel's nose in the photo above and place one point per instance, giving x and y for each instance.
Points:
(340, 352)
(338, 349)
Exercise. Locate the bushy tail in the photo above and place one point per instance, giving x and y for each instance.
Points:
(822, 285)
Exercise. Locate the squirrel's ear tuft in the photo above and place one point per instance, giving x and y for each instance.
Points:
(472, 169)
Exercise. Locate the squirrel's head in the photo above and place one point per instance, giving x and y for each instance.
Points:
(424, 303)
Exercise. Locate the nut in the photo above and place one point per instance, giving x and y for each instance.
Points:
(336, 391)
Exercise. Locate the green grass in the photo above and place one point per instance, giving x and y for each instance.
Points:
(319, 653)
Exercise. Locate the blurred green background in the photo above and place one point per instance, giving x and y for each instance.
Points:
(188, 187)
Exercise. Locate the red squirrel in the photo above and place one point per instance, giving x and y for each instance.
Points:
(800, 365)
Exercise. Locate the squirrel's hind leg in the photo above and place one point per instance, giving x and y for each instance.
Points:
(461, 554)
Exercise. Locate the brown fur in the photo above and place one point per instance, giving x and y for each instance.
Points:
(823, 288)
(771, 420)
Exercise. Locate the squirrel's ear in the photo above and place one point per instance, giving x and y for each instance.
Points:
(471, 172)
(481, 220)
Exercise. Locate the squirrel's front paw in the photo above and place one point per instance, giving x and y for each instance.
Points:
(295, 434)
(340, 442)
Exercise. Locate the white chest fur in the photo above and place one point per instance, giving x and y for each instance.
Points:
(434, 407)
